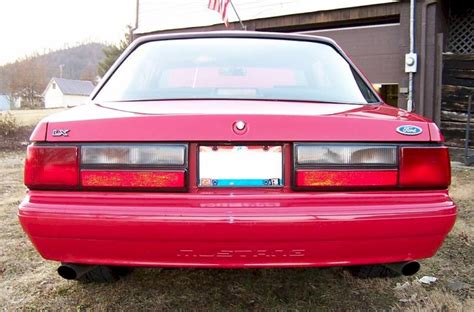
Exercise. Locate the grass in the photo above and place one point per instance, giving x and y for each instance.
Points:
(30, 117)
(14, 132)
(28, 282)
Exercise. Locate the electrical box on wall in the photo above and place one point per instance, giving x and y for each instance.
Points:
(410, 62)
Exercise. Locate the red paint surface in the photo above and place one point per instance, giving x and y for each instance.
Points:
(346, 178)
(246, 230)
(436, 135)
(213, 120)
(39, 133)
(132, 179)
(236, 227)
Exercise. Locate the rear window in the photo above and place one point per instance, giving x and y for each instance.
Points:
(236, 68)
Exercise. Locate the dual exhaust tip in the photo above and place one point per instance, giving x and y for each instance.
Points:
(72, 271)
(404, 268)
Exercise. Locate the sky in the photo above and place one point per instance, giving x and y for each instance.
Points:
(30, 26)
(37, 26)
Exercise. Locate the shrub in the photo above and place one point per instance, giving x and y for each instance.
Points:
(8, 124)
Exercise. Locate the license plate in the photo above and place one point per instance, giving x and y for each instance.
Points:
(240, 166)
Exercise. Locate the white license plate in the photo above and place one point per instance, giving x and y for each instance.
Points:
(240, 166)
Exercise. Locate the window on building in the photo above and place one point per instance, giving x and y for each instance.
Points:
(388, 92)
(53, 85)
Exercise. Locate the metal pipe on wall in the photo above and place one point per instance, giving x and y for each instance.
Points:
(137, 15)
(410, 102)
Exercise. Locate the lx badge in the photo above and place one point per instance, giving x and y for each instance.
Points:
(60, 132)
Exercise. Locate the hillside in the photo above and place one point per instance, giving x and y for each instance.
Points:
(34, 72)
(79, 62)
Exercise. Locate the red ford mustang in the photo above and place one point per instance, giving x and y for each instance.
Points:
(232, 150)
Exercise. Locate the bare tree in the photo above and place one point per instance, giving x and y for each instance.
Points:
(28, 81)
(89, 73)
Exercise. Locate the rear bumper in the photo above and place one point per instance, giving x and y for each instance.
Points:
(253, 230)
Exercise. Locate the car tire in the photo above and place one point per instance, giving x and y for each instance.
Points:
(104, 274)
(372, 271)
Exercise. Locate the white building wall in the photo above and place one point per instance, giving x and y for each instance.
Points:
(17, 102)
(53, 97)
(172, 14)
(74, 100)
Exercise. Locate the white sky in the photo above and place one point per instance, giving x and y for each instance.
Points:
(28, 26)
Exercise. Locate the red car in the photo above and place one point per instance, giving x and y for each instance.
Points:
(236, 150)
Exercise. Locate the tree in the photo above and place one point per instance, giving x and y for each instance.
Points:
(27, 80)
(113, 52)
(89, 73)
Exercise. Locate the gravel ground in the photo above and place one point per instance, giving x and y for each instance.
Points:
(29, 282)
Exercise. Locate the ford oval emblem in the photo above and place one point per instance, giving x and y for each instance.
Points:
(409, 130)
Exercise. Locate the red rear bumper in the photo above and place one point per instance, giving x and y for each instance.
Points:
(258, 230)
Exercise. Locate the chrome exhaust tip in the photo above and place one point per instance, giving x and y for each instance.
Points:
(71, 271)
(408, 268)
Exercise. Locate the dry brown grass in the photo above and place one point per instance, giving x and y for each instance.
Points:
(28, 282)
(30, 117)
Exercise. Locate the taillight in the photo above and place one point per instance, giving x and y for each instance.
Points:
(326, 166)
(111, 166)
(422, 167)
(346, 178)
(345, 166)
(144, 179)
(133, 166)
(52, 167)
(134, 155)
(346, 155)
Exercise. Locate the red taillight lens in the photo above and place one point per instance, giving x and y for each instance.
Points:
(327, 166)
(118, 167)
(136, 166)
(346, 178)
(132, 179)
(52, 167)
(424, 167)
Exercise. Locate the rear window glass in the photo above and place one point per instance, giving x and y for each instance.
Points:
(236, 68)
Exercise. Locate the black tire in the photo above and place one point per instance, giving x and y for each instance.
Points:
(372, 271)
(100, 274)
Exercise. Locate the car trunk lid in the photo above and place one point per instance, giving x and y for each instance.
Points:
(215, 121)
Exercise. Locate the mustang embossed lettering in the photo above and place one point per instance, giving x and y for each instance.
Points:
(244, 253)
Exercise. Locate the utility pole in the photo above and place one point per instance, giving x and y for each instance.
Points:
(61, 66)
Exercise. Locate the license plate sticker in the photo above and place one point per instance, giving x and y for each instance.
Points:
(240, 166)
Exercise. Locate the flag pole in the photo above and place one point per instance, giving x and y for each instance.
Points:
(244, 27)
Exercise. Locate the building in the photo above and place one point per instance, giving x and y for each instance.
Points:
(4, 103)
(376, 35)
(62, 92)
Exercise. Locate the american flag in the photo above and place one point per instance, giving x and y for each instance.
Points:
(221, 7)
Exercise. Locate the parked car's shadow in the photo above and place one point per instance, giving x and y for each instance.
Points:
(243, 289)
